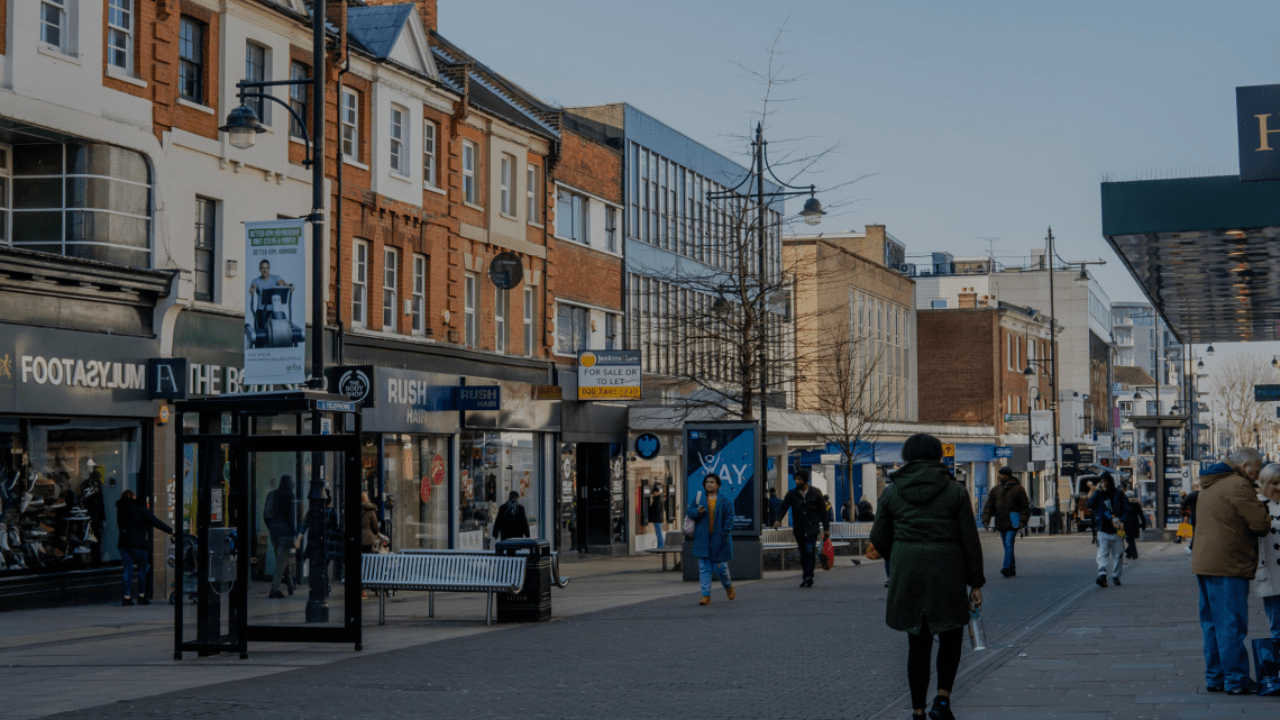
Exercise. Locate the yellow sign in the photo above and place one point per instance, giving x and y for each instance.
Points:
(609, 393)
(948, 450)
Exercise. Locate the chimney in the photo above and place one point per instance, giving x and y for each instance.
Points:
(969, 299)
(426, 10)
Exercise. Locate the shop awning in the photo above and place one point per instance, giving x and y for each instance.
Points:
(1203, 250)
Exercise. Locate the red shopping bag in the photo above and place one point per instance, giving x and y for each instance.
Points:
(827, 557)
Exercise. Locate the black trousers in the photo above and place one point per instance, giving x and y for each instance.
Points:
(808, 554)
(1132, 547)
(919, 648)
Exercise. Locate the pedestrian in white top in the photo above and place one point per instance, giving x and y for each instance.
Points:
(1267, 583)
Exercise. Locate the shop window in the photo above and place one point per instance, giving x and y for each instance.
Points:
(491, 467)
(206, 247)
(120, 34)
(414, 502)
(191, 34)
(82, 200)
(60, 480)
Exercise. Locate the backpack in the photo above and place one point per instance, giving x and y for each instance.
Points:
(269, 512)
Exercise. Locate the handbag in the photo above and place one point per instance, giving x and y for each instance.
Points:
(691, 525)
(828, 556)
(1185, 530)
(872, 553)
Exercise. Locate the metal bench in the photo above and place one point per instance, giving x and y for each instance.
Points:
(779, 540)
(674, 545)
(849, 532)
(557, 579)
(444, 572)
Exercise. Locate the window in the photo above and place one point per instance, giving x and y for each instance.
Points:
(255, 69)
(191, 59)
(418, 305)
(469, 308)
(206, 247)
(120, 34)
(611, 229)
(534, 210)
(571, 329)
(399, 155)
(610, 332)
(528, 320)
(360, 284)
(390, 276)
(298, 99)
(501, 306)
(82, 200)
(469, 190)
(351, 125)
(4, 194)
(429, 159)
(571, 216)
(53, 24)
(508, 185)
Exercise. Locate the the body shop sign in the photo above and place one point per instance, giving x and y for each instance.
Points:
(46, 371)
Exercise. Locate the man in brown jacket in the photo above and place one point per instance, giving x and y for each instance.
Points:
(1009, 506)
(1229, 520)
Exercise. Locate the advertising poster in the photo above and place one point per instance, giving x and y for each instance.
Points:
(1041, 435)
(275, 315)
(609, 375)
(731, 451)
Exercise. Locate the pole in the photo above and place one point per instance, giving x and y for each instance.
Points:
(1053, 384)
(764, 346)
(317, 195)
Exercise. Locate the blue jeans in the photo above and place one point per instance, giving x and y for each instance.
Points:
(1271, 605)
(658, 529)
(705, 570)
(1008, 536)
(808, 555)
(132, 557)
(1224, 620)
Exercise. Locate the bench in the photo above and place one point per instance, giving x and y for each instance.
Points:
(557, 579)
(674, 545)
(850, 532)
(445, 571)
(783, 539)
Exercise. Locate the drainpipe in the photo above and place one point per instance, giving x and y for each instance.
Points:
(340, 340)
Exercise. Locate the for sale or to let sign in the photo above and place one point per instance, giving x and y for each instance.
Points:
(609, 375)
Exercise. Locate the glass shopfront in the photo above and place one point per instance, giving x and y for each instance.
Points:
(414, 491)
(492, 465)
(60, 479)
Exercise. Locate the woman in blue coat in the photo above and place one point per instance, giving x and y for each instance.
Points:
(712, 539)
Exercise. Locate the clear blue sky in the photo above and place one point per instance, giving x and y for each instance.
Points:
(973, 119)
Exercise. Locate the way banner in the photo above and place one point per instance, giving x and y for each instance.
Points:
(275, 348)
(731, 451)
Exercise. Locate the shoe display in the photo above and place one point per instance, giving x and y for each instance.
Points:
(706, 600)
(1102, 581)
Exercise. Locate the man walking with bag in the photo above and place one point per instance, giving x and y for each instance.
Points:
(808, 512)
(1010, 507)
(1230, 518)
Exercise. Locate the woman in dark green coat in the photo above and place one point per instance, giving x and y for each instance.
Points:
(925, 526)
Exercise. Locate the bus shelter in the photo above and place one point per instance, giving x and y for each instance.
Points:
(270, 521)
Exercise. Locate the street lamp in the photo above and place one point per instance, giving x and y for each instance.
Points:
(812, 214)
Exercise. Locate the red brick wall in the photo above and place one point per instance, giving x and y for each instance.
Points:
(958, 378)
(590, 166)
(4, 25)
(587, 276)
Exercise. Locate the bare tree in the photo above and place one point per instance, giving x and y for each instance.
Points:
(1233, 383)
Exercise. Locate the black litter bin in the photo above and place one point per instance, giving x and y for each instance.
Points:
(533, 602)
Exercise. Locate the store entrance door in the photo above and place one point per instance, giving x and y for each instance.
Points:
(600, 498)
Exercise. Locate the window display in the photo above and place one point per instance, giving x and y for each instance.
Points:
(415, 503)
(59, 483)
(492, 465)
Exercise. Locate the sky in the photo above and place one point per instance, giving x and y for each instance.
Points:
(954, 122)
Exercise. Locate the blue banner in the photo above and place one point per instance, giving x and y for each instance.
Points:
(730, 451)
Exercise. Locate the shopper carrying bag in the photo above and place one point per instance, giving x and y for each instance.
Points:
(712, 537)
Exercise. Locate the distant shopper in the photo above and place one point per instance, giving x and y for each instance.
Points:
(656, 513)
(846, 511)
(826, 505)
(134, 520)
(1189, 513)
(1267, 584)
(1134, 524)
(866, 513)
(370, 538)
(925, 525)
(512, 521)
(1109, 508)
(279, 514)
(808, 515)
(1008, 507)
(1229, 520)
(712, 537)
(775, 507)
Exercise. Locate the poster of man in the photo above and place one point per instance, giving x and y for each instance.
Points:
(274, 337)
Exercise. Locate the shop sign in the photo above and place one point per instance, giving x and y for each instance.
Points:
(1104, 442)
(398, 400)
(1004, 451)
(356, 383)
(168, 378)
(506, 406)
(505, 270)
(1266, 393)
(609, 375)
(1258, 132)
(732, 452)
(648, 446)
(275, 348)
(46, 370)
(949, 455)
(479, 397)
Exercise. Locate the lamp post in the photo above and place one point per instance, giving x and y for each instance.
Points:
(812, 214)
(242, 129)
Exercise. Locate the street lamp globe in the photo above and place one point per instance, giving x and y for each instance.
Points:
(242, 127)
(1209, 351)
(812, 212)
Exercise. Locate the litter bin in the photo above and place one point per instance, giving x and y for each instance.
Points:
(1057, 523)
(533, 602)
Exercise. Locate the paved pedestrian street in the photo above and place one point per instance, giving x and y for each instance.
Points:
(629, 641)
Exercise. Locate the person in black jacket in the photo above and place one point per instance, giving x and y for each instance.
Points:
(511, 522)
(656, 508)
(1110, 509)
(134, 521)
(808, 512)
(1135, 523)
(280, 515)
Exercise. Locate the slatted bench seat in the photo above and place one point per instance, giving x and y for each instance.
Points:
(674, 542)
(859, 532)
(557, 579)
(441, 572)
